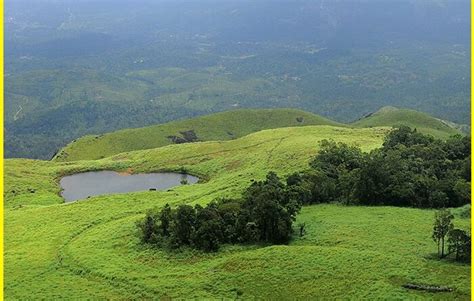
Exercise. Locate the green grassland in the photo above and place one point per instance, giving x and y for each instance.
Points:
(391, 116)
(219, 126)
(235, 124)
(89, 249)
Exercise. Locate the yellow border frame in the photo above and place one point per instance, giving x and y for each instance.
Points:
(1, 145)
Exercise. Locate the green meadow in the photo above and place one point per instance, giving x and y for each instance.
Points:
(220, 126)
(237, 123)
(90, 249)
(426, 124)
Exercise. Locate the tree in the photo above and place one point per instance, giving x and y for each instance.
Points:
(459, 243)
(406, 136)
(165, 220)
(300, 193)
(373, 179)
(465, 169)
(322, 188)
(334, 157)
(183, 226)
(438, 198)
(462, 190)
(148, 227)
(411, 169)
(442, 225)
(294, 179)
(229, 211)
(209, 224)
(268, 211)
(457, 147)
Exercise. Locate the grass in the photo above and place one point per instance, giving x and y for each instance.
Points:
(220, 126)
(89, 249)
(234, 124)
(426, 124)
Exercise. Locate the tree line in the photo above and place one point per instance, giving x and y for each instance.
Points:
(410, 169)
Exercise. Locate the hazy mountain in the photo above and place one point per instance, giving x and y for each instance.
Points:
(80, 67)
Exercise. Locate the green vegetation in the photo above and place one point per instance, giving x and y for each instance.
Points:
(265, 214)
(75, 68)
(459, 240)
(460, 244)
(52, 101)
(442, 226)
(91, 248)
(411, 169)
(220, 126)
(394, 117)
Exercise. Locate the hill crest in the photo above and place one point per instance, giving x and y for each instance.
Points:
(235, 124)
(393, 117)
(219, 126)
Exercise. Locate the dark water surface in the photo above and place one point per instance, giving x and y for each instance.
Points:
(82, 185)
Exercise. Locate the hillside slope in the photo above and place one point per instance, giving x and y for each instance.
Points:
(234, 124)
(391, 116)
(90, 250)
(220, 126)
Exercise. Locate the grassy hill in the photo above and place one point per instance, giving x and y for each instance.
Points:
(220, 126)
(391, 116)
(234, 124)
(89, 249)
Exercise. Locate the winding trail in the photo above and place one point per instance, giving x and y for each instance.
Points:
(270, 153)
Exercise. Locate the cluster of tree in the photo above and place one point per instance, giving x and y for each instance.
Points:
(459, 241)
(410, 169)
(265, 213)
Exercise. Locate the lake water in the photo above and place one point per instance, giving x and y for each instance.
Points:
(82, 185)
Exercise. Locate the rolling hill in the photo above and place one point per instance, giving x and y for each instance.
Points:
(125, 87)
(234, 124)
(220, 126)
(391, 116)
(90, 249)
